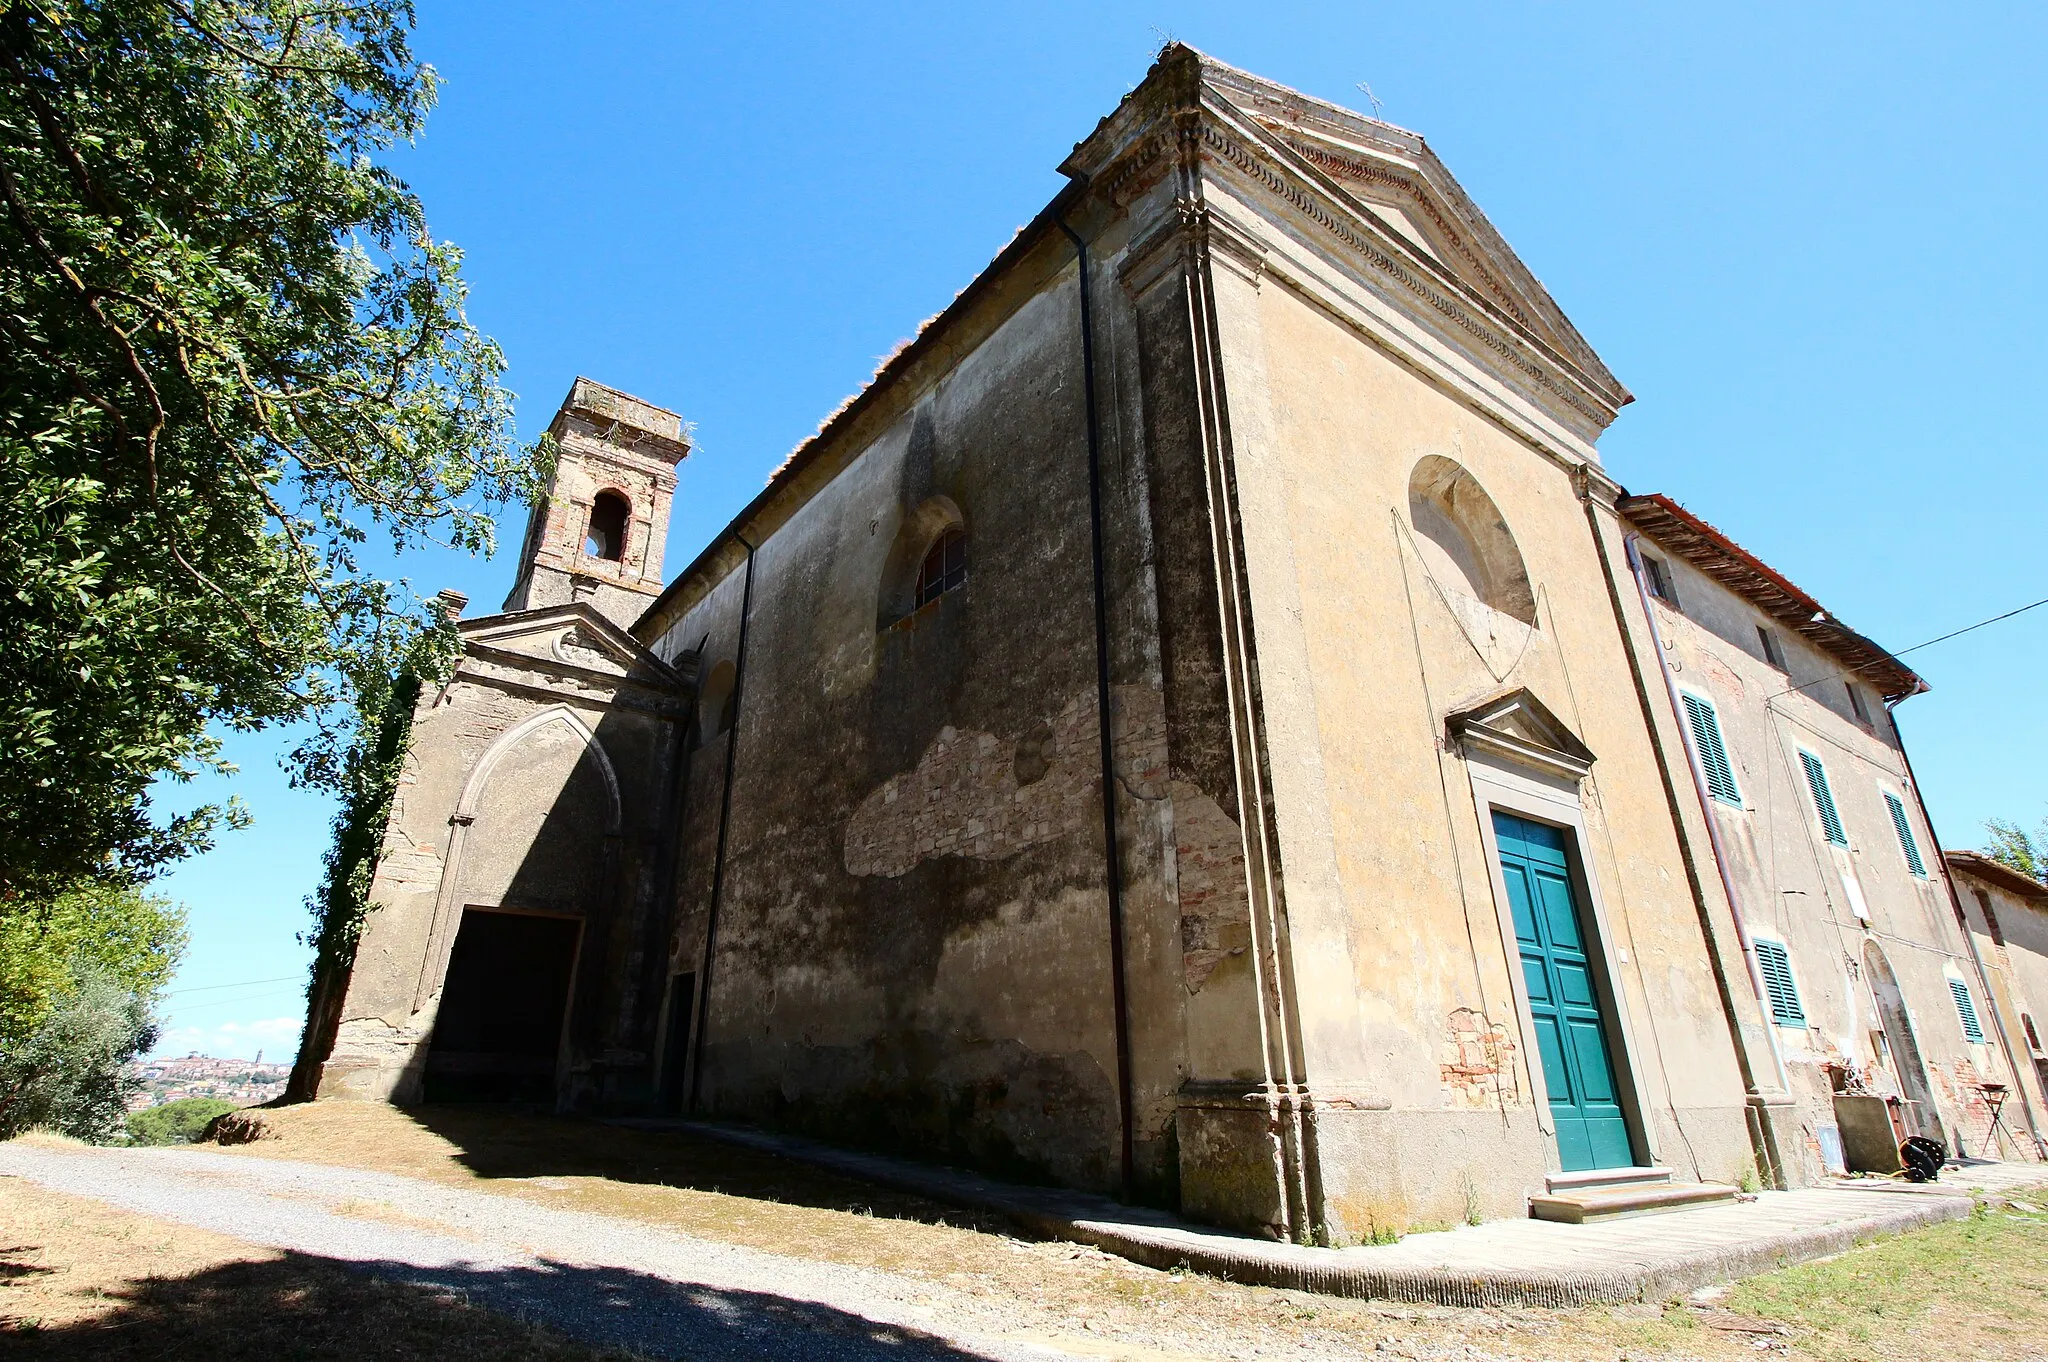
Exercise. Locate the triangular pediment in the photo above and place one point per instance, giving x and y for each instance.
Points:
(574, 635)
(1364, 187)
(1522, 728)
(1393, 177)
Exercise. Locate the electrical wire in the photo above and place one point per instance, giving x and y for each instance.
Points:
(1893, 657)
(246, 983)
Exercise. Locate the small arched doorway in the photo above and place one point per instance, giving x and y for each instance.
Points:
(1921, 1116)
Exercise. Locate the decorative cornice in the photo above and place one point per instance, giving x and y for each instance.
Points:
(1375, 172)
(1544, 744)
(1359, 238)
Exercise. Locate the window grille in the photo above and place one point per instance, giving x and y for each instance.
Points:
(945, 567)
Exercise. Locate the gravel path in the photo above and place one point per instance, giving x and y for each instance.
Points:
(596, 1278)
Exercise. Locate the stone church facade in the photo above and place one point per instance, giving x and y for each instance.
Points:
(1190, 728)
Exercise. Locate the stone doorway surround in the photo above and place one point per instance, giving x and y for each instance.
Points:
(1522, 760)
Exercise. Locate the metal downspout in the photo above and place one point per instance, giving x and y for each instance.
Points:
(732, 744)
(665, 1080)
(1955, 902)
(1112, 854)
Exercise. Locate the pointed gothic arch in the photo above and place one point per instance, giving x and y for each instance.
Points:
(472, 789)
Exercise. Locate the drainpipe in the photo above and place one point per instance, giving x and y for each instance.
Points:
(665, 878)
(732, 744)
(1699, 785)
(1955, 902)
(1111, 853)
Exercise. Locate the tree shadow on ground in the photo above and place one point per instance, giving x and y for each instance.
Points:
(316, 1309)
(501, 1142)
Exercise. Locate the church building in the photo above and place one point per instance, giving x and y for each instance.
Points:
(1200, 726)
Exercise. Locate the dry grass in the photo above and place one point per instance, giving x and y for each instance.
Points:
(79, 1279)
(1975, 1289)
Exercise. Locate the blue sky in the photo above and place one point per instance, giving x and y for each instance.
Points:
(1808, 237)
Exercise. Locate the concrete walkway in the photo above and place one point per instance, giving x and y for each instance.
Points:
(1505, 1262)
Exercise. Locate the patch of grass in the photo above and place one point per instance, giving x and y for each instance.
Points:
(1967, 1289)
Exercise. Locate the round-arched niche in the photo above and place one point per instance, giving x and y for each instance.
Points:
(715, 701)
(922, 527)
(1464, 540)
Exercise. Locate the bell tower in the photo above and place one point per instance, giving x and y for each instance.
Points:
(598, 532)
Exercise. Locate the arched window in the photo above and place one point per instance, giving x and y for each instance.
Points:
(945, 566)
(609, 513)
(927, 558)
(719, 699)
(1464, 539)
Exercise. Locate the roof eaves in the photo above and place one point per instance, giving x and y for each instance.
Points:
(901, 362)
(1756, 581)
(1997, 872)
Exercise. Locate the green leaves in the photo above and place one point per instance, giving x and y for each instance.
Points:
(2011, 846)
(229, 351)
(79, 980)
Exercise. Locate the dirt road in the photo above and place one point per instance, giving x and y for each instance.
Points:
(596, 1278)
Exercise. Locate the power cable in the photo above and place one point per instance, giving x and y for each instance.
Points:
(246, 983)
(1893, 657)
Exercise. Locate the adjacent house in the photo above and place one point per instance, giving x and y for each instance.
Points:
(2008, 918)
(1871, 990)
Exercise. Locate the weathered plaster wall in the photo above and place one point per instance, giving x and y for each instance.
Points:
(1797, 888)
(504, 803)
(1363, 650)
(2016, 958)
(912, 942)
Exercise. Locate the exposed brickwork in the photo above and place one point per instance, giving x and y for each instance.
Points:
(1479, 1062)
(1215, 913)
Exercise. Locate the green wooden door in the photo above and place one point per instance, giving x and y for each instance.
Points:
(1571, 1028)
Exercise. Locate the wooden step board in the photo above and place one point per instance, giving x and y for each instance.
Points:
(1585, 1205)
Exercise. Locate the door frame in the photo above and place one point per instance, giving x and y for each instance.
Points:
(562, 1045)
(1554, 800)
(1909, 1061)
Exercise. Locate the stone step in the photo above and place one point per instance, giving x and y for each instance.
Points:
(1584, 1207)
(1590, 1178)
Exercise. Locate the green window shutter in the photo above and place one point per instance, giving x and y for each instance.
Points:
(1823, 799)
(1777, 970)
(1905, 831)
(1706, 740)
(1966, 1008)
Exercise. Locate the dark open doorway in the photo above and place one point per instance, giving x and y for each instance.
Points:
(675, 1050)
(500, 1022)
(1908, 1068)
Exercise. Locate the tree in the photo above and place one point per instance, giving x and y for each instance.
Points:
(180, 1121)
(79, 982)
(2013, 848)
(230, 353)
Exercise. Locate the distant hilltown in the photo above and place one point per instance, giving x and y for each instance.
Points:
(242, 1081)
